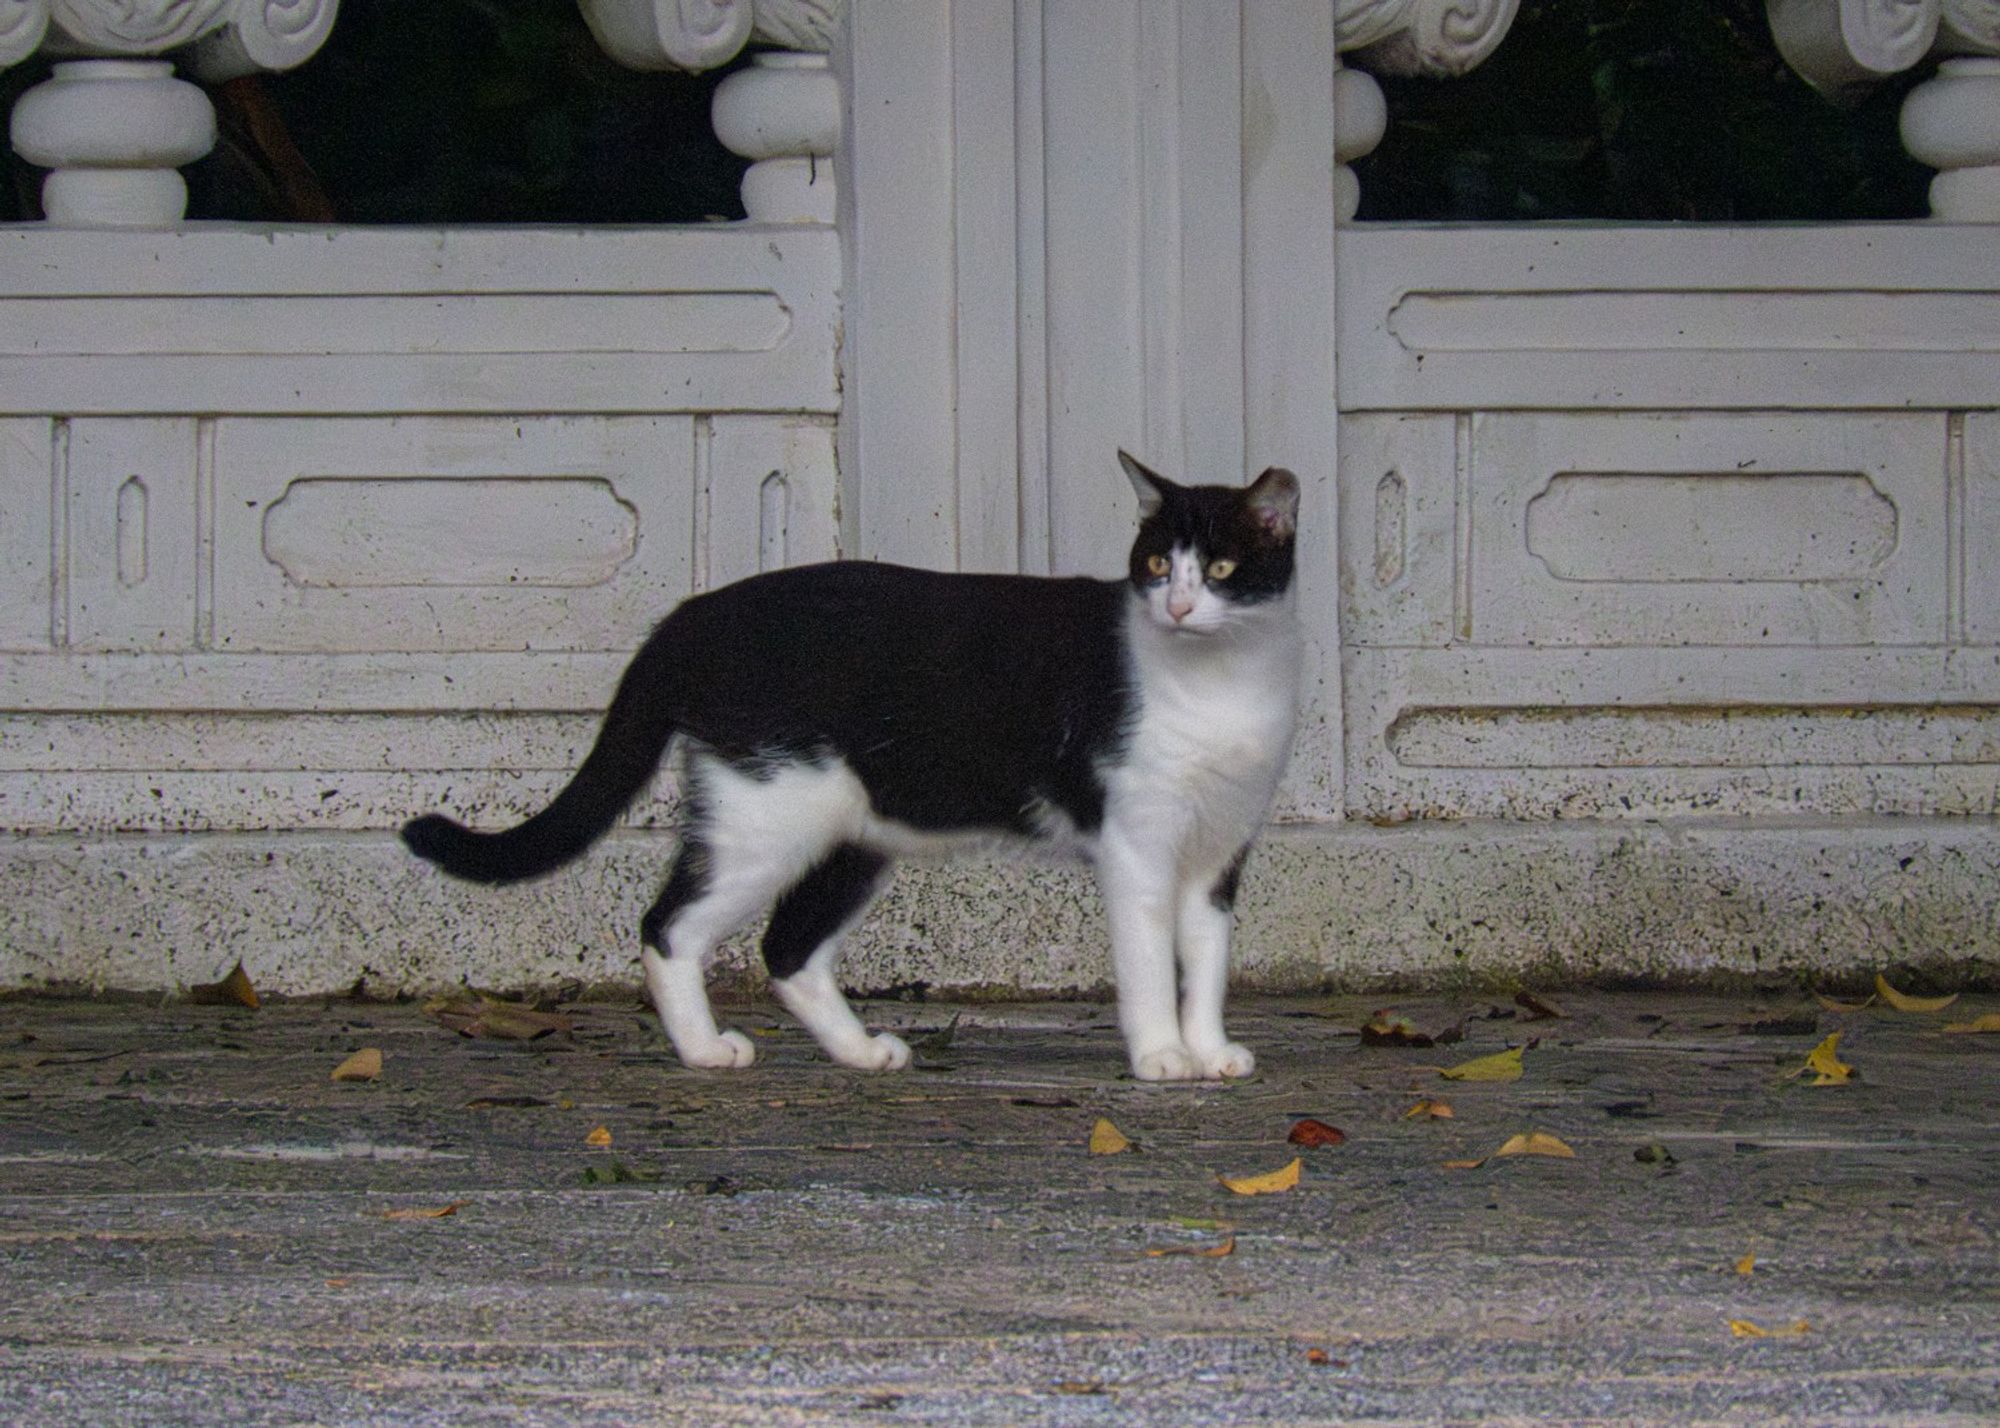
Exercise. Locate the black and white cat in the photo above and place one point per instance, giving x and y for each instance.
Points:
(838, 717)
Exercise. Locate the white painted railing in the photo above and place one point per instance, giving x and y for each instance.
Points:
(1650, 577)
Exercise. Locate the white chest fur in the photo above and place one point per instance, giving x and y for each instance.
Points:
(1215, 721)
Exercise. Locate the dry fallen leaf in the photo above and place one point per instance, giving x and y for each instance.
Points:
(1464, 1164)
(426, 1212)
(1107, 1139)
(1430, 1110)
(1745, 1329)
(1309, 1132)
(1988, 1022)
(1385, 1028)
(1500, 1066)
(1537, 1008)
(1827, 1067)
(600, 1136)
(363, 1065)
(1747, 1265)
(1535, 1143)
(232, 990)
(1904, 1002)
(1269, 1183)
(1839, 1006)
(1218, 1250)
(1317, 1355)
(495, 1020)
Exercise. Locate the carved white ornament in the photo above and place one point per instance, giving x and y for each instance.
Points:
(1842, 46)
(22, 25)
(784, 112)
(1970, 27)
(1951, 121)
(704, 34)
(1439, 38)
(114, 127)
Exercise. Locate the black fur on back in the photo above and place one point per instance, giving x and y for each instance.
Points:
(963, 703)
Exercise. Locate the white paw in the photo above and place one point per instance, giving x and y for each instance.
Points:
(1167, 1063)
(885, 1052)
(727, 1052)
(1227, 1061)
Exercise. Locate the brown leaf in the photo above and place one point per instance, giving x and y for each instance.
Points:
(1220, 1249)
(1839, 1006)
(1747, 1265)
(232, 990)
(495, 1020)
(1464, 1164)
(1430, 1110)
(1310, 1132)
(426, 1212)
(363, 1065)
(1538, 1008)
(1385, 1028)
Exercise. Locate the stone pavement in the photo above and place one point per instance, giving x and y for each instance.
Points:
(195, 1222)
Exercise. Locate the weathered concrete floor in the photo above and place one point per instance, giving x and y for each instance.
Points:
(192, 1226)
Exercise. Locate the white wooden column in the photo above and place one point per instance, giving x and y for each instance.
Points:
(1072, 227)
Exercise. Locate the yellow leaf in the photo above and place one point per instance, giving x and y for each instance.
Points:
(425, 1212)
(1107, 1139)
(1269, 1183)
(1536, 1143)
(600, 1136)
(1837, 1006)
(1430, 1110)
(363, 1065)
(1463, 1164)
(1747, 1265)
(1827, 1068)
(1218, 1250)
(1902, 1001)
(1500, 1066)
(232, 990)
(1747, 1329)
(1989, 1022)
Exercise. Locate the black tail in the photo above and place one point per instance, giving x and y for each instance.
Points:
(627, 752)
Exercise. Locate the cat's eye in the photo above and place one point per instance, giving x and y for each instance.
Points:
(1158, 565)
(1221, 569)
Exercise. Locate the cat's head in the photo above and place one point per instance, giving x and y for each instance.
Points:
(1209, 558)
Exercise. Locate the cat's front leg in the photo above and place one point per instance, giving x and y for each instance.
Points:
(1205, 915)
(1139, 905)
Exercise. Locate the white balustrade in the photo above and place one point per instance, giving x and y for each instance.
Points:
(1950, 121)
(112, 123)
(782, 110)
(1442, 39)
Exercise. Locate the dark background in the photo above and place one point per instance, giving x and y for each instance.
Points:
(506, 111)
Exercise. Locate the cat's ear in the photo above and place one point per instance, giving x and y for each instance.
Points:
(1152, 487)
(1273, 503)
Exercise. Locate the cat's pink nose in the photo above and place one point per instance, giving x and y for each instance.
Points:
(1180, 609)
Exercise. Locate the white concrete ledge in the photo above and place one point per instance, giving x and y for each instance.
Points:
(1344, 906)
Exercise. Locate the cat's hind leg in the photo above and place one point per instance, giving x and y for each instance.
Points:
(802, 947)
(679, 931)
